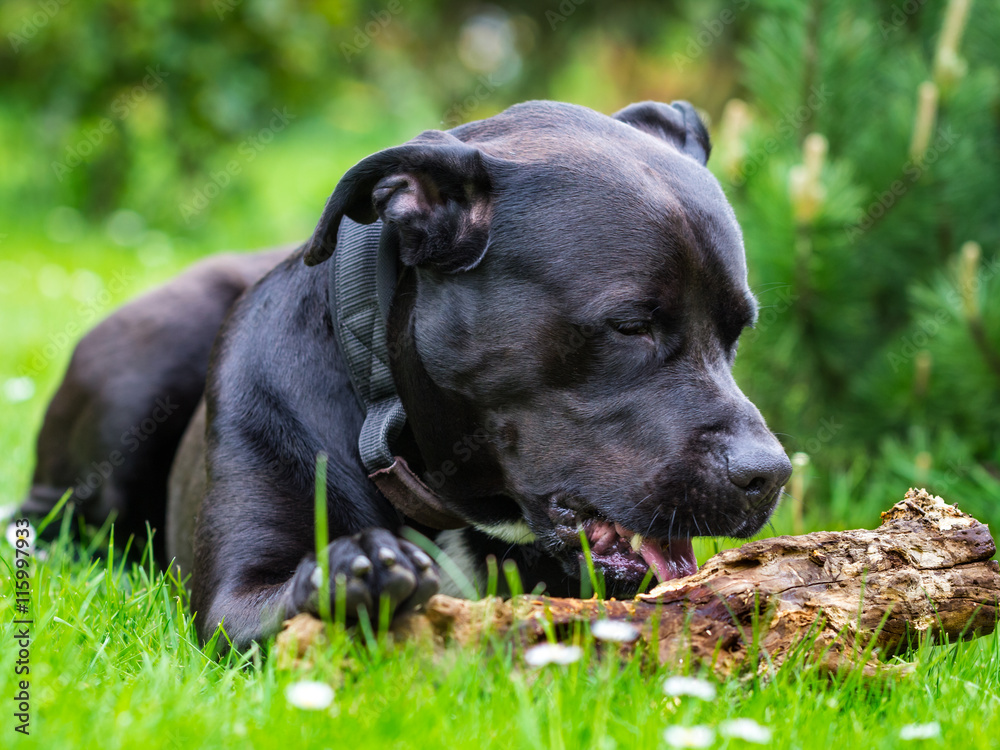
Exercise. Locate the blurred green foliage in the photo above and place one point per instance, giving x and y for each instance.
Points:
(170, 130)
(876, 250)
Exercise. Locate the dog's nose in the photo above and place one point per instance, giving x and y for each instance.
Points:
(759, 469)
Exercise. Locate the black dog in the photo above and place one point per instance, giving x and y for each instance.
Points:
(112, 428)
(569, 291)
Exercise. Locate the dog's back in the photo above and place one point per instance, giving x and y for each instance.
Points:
(112, 428)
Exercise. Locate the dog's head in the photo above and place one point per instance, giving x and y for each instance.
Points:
(573, 290)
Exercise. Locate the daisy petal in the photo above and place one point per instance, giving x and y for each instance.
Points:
(747, 730)
(312, 696)
(13, 533)
(16, 390)
(614, 631)
(920, 731)
(552, 653)
(693, 686)
(697, 736)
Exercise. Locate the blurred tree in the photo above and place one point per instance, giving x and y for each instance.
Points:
(112, 89)
(866, 171)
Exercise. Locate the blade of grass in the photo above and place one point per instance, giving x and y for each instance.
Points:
(322, 525)
(51, 515)
(447, 565)
(513, 576)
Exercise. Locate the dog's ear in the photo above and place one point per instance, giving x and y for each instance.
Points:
(434, 190)
(677, 123)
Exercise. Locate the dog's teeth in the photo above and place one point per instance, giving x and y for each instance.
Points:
(636, 542)
(386, 556)
(361, 566)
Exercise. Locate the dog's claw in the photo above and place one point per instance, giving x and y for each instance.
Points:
(427, 586)
(386, 556)
(361, 566)
(422, 560)
(316, 577)
(356, 596)
(369, 568)
(399, 585)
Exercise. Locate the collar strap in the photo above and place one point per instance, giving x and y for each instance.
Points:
(361, 285)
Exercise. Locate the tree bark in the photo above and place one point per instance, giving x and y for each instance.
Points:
(846, 599)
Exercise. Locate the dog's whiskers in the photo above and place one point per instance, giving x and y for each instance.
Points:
(640, 502)
(646, 533)
(694, 518)
(670, 532)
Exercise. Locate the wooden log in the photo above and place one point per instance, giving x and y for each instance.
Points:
(851, 598)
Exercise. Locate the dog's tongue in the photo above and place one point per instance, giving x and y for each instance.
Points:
(680, 563)
(675, 561)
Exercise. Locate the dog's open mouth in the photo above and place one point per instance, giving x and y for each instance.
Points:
(624, 554)
(619, 549)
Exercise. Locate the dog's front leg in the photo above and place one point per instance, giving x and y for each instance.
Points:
(366, 569)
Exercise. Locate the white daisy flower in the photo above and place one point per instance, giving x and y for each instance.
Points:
(747, 730)
(16, 390)
(614, 631)
(693, 686)
(552, 653)
(920, 731)
(13, 533)
(697, 736)
(312, 696)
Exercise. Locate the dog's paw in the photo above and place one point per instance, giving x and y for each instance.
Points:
(365, 568)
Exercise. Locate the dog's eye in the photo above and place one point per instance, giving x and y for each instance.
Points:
(633, 327)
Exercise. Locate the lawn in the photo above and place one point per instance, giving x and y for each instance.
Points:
(114, 661)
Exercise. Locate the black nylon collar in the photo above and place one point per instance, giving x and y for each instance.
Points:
(361, 284)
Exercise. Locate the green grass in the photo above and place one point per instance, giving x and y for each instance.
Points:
(115, 662)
